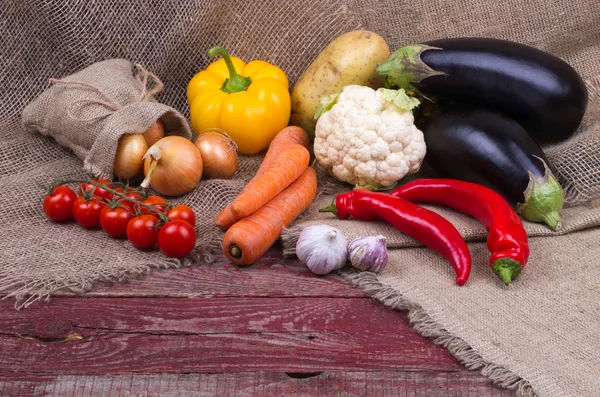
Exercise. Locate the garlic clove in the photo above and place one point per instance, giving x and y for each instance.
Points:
(369, 253)
(322, 248)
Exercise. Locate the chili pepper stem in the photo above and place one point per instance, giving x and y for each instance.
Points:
(235, 82)
(507, 269)
(330, 208)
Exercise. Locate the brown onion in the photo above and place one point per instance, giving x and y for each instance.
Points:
(129, 157)
(219, 153)
(155, 132)
(172, 166)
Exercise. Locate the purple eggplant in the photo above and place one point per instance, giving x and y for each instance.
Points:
(474, 144)
(540, 91)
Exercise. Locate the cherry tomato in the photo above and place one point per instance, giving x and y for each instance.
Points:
(132, 194)
(176, 239)
(97, 191)
(183, 212)
(114, 221)
(87, 212)
(157, 202)
(58, 205)
(142, 231)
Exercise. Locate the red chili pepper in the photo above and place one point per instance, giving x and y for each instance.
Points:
(507, 239)
(420, 223)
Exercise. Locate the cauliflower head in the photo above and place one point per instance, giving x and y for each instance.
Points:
(368, 138)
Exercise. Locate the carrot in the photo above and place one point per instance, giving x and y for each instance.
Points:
(250, 238)
(288, 136)
(291, 135)
(285, 169)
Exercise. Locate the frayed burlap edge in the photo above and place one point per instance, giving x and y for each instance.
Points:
(28, 292)
(422, 322)
(426, 326)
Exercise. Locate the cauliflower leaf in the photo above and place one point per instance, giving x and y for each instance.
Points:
(327, 102)
(399, 98)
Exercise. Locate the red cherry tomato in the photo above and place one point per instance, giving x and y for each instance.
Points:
(176, 239)
(183, 212)
(97, 191)
(114, 221)
(156, 202)
(142, 231)
(87, 212)
(58, 205)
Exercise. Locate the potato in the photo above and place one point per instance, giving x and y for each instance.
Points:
(349, 59)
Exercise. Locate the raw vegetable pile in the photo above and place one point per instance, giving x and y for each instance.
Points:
(475, 110)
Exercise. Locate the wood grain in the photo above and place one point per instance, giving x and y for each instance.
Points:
(340, 384)
(274, 276)
(95, 336)
(272, 329)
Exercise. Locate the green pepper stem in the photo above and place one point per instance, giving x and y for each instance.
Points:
(235, 82)
(330, 208)
(507, 269)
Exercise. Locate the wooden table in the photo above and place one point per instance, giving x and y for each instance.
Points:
(273, 329)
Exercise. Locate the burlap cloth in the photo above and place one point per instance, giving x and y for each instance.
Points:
(540, 335)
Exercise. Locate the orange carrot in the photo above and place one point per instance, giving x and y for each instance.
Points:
(250, 238)
(285, 169)
(291, 135)
(288, 136)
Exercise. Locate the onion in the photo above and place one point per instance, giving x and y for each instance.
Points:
(129, 158)
(172, 166)
(219, 153)
(155, 132)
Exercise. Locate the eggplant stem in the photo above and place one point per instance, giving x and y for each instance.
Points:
(544, 199)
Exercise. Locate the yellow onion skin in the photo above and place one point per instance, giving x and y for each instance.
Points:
(219, 154)
(172, 166)
(155, 132)
(129, 157)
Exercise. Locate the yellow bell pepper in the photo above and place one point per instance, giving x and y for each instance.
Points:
(250, 102)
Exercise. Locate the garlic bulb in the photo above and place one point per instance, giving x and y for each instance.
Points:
(322, 248)
(368, 253)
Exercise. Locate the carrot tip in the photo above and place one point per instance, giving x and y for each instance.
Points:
(235, 251)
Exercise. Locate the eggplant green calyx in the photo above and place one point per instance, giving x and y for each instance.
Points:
(544, 199)
(507, 269)
(330, 208)
(405, 67)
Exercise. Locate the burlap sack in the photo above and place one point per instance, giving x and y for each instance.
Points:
(538, 336)
(90, 110)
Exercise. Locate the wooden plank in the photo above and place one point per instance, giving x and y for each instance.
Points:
(103, 335)
(273, 276)
(353, 383)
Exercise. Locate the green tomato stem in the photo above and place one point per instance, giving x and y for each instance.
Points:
(162, 217)
(235, 82)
